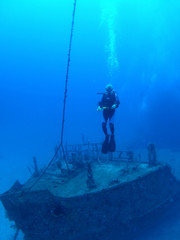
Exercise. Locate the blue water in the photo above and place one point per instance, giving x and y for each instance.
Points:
(132, 44)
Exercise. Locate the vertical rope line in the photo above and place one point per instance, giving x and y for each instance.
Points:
(64, 107)
(67, 76)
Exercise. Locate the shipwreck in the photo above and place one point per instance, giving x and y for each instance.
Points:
(91, 196)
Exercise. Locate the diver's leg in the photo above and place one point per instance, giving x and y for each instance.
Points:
(111, 122)
(105, 145)
(111, 125)
(112, 144)
(104, 122)
(104, 128)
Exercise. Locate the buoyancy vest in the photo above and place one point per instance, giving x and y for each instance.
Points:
(108, 99)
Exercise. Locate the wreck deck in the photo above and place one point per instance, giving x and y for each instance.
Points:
(99, 200)
(105, 176)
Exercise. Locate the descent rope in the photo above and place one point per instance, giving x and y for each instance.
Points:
(64, 105)
(67, 74)
(63, 115)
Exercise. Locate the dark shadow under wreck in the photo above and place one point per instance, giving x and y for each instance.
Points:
(99, 200)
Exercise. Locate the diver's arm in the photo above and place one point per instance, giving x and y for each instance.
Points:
(99, 108)
(100, 104)
(117, 101)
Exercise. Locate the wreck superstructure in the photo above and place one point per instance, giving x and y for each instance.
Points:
(96, 197)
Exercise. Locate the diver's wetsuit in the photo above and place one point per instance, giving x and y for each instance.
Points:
(107, 101)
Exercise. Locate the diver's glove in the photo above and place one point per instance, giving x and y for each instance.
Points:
(113, 106)
(99, 108)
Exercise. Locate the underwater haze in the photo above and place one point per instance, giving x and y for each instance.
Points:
(133, 44)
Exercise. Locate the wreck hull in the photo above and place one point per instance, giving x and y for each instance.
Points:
(97, 215)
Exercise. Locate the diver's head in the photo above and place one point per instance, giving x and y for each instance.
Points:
(109, 88)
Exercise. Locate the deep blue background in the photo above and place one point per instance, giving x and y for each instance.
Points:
(132, 44)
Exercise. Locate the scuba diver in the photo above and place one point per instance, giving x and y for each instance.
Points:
(109, 102)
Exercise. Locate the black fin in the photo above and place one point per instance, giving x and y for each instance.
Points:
(112, 144)
(105, 145)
